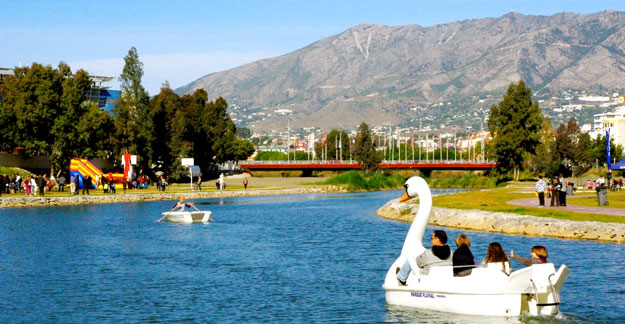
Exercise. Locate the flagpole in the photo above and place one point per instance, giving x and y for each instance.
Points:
(412, 144)
(406, 150)
(420, 144)
(425, 147)
(447, 149)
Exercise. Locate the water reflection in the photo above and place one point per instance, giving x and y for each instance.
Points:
(400, 314)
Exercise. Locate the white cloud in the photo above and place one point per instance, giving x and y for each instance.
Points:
(177, 68)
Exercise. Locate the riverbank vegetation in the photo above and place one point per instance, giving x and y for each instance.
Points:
(358, 181)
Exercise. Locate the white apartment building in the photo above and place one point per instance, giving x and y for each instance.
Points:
(614, 121)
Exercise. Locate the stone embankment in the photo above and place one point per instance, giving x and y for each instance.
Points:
(137, 197)
(496, 222)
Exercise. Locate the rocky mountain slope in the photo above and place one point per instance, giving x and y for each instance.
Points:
(393, 75)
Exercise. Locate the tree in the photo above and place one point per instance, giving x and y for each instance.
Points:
(242, 149)
(337, 141)
(30, 106)
(244, 132)
(515, 124)
(364, 150)
(132, 121)
(163, 108)
(66, 130)
(599, 153)
(571, 149)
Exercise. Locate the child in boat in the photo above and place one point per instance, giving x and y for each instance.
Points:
(463, 257)
(539, 255)
(496, 254)
(179, 207)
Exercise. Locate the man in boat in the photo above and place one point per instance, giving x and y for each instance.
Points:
(179, 207)
(438, 255)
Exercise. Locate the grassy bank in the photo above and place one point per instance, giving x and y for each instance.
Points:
(9, 171)
(468, 181)
(615, 200)
(495, 200)
(356, 181)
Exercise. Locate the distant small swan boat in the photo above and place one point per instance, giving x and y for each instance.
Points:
(188, 217)
(487, 290)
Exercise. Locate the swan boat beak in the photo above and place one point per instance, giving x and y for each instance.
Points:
(404, 197)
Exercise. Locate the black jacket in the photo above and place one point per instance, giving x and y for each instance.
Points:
(463, 256)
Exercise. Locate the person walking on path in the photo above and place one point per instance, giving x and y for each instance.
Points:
(199, 183)
(555, 195)
(540, 189)
(563, 185)
(245, 183)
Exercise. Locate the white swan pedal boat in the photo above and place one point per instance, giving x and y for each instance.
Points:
(188, 217)
(487, 290)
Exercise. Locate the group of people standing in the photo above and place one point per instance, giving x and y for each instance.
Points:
(556, 188)
(10, 184)
(462, 259)
(37, 184)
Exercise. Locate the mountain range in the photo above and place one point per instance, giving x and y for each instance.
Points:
(399, 75)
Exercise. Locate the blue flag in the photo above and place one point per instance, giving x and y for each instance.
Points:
(607, 146)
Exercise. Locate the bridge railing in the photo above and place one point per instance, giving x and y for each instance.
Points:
(260, 162)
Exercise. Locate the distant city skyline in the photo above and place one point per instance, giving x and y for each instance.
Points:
(181, 42)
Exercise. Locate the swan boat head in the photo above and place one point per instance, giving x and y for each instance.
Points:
(417, 187)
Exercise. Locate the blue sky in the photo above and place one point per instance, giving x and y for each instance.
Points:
(180, 41)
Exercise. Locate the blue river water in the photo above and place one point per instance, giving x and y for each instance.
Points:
(280, 259)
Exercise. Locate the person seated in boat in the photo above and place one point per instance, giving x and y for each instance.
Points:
(496, 254)
(438, 255)
(463, 257)
(539, 255)
(179, 207)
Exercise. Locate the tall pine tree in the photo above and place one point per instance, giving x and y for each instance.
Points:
(515, 124)
(134, 127)
(364, 150)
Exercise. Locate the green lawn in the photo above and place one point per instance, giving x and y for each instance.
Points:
(495, 200)
(615, 200)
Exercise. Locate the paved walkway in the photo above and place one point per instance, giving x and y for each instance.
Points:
(533, 202)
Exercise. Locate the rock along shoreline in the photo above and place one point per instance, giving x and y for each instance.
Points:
(15, 202)
(498, 222)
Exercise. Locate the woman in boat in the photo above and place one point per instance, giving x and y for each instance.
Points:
(179, 207)
(539, 255)
(496, 254)
(463, 257)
